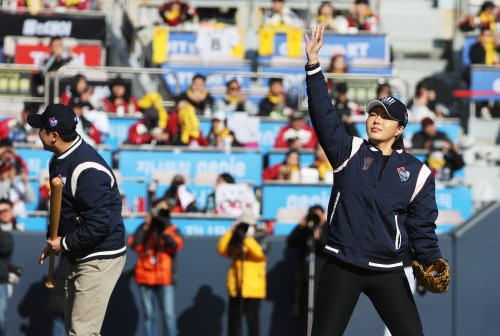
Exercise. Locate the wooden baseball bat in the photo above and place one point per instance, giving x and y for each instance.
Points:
(54, 214)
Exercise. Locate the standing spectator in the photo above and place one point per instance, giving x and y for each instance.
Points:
(157, 242)
(362, 17)
(120, 100)
(422, 106)
(178, 197)
(57, 58)
(288, 170)
(84, 127)
(146, 130)
(346, 109)
(6, 248)
(198, 96)
(280, 16)
(245, 244)
(16, 129)
(297, 134)
(321, 163)
(176, 12)
(91, 231)
(235, 101)
(277, 103)
(308, 237)
(220, 135)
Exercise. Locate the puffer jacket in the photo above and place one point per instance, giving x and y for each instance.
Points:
(249, 274)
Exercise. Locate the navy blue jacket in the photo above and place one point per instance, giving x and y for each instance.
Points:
(91, 223)
(372, 214)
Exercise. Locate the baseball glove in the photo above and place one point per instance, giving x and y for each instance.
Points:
(436, 278)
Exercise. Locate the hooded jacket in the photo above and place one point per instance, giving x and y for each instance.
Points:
(374, 212)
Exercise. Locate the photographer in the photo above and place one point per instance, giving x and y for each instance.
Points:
(308, 237)
(245, 245)
(157, 241)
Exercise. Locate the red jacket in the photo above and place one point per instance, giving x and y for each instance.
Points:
(138, 134)
(156, 266)
(306, 134)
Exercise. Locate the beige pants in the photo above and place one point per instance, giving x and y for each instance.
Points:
(88, 289)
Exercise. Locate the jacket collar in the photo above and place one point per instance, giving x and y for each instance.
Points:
(76, 143)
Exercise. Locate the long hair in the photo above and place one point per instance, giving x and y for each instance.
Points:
(399, 143)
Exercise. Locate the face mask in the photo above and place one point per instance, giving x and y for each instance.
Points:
(251, 231)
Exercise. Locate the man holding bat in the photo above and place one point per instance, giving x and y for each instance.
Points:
(91, 233)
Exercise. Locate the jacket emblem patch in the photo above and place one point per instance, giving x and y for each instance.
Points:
(403, 174)
(63, 178)
(367, 162)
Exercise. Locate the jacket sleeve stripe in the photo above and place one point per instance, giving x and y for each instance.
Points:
(423, 175)
(356, 145)
(86, 165)
(312, 72)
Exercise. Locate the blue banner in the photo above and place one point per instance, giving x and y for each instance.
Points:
(487, 81)
(372, 47)
(243, 166)
(185, 73)
(469, 40)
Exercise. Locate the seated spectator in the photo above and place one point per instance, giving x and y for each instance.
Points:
(78, 87)
(321, 163)
(198, 96)
(361, 17)
(16, 129)
(297, 134)
(74, 4)
(346, 109)
(211, 202)
(384, 90)
(486, 16)
(277, 103)
(8, 221)
(178, 197)
(425, 138)
(423, 104)
(220, 135)
(15, 187)
(184, 126)
(9, 153)
(280, 16)
(338, 65)
(120, 100)
(235, 101)
(176, 12)
(84, 127)
(57, 58)
(443, 160)
(328, 18)
(146, 130)
(288, 170)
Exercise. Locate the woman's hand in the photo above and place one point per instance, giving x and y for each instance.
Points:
(314, 44)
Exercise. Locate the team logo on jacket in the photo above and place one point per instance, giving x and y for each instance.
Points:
(403, 174)
(367, 162)
(52, 122)
(63, 178)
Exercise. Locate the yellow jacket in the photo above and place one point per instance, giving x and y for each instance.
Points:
(253, 274)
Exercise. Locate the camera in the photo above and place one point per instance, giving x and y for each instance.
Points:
(312, 220)
(239, 234)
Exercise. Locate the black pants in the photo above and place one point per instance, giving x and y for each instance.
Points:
(248, 307)
(339, 288)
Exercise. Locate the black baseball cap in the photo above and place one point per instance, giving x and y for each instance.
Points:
(394, 107)
(56, 117)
